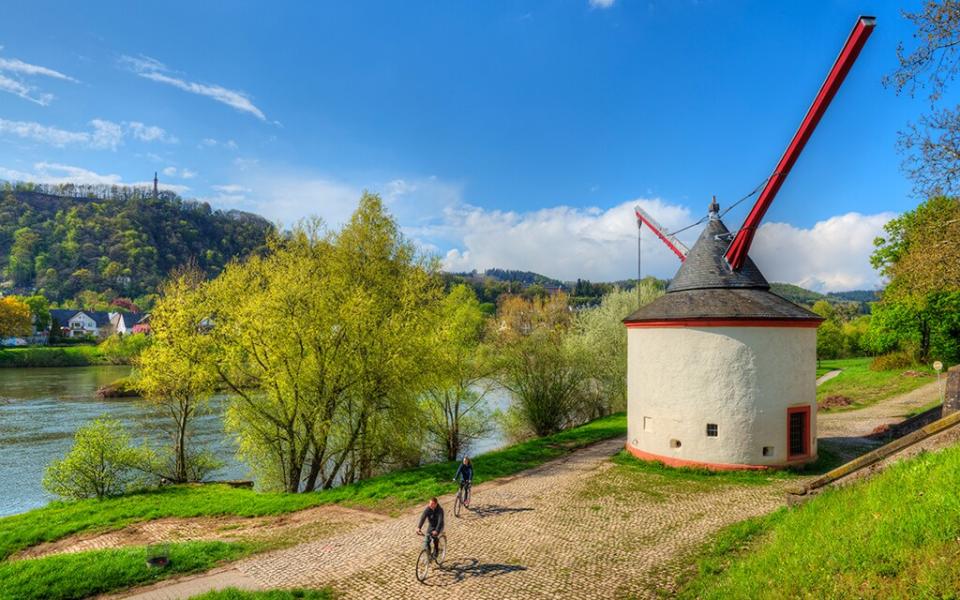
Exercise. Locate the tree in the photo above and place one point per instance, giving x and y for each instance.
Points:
(538, 367)
(931, 145)
(102, 462)
(599, 340)
(175, 374)
(323, 342)
(39, 311)
(455, 398)
(15, 318)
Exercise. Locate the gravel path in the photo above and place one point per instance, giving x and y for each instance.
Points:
(828, 376)
(855, 424)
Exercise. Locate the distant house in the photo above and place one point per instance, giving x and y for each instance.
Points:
(143, 325)
(81, 323)
(125, 323)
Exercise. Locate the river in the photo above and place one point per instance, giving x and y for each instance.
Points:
(41, 409)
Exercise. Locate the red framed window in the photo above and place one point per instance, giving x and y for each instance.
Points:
(798, 432)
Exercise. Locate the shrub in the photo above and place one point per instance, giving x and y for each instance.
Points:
(102, 463)
(122, 349)
(892, 360)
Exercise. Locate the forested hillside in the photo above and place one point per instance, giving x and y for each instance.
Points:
(115, 241)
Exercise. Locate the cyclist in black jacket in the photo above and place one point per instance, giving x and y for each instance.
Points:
(465, 470)
(433, 514)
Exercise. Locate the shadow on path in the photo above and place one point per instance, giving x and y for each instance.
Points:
(453, 572)
(492, 510)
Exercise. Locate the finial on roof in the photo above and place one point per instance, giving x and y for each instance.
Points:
(714, 209)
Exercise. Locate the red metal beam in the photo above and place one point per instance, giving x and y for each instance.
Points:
(665, 238)
(737, 252)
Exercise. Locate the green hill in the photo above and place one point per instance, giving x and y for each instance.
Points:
(118, 241)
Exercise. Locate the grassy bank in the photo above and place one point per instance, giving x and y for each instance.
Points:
(892, 536)
(51, 356)
(864, 387)
(84, 574)
(388, 492)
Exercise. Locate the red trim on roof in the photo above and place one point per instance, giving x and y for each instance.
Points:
(811, 323)
(680, 462)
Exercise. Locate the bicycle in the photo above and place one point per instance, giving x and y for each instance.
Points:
(431, 554)
(463, 497)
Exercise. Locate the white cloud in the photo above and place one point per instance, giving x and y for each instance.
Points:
(231, 188)
(150, 133)
(596, 244)
(103, 135)
(18, 87)
(42, 133)
(14, 65)
(212, 143)
(154, 70)
(24, 91)
(170, 171)
(601, 3)
(56, 173)
(187, 174)
(562, 242)
(833, 255)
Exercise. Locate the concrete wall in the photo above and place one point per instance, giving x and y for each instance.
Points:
(743, 379)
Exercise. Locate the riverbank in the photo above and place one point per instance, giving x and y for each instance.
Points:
(52, 356)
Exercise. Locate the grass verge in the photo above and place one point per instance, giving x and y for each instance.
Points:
(84, 574)
(235, 594)
(892, 536)
(389, 492)
(865, 387)
(51, 356)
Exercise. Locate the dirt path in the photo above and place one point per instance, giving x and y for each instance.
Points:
(828, 376)
(855, 424)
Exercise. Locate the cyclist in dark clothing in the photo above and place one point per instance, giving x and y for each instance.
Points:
(433, 515)
(465, 470)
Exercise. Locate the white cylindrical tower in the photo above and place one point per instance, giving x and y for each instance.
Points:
(721, 372)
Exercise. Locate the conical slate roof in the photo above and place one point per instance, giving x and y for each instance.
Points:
(706, 267)
(706, 289)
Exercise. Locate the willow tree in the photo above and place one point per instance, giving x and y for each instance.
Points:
(174, 371)
(455, 399)
(322, 341)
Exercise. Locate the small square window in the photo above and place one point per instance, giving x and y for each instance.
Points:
(711, 430)
(768, 450)
(674, 443)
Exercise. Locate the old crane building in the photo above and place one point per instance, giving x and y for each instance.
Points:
(721, 372)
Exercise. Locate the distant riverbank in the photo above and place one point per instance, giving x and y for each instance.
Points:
(52, 356)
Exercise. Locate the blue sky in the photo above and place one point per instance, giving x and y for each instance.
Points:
(510, 134)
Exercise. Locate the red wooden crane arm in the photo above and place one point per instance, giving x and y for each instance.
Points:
(665, 238)
(737, 252)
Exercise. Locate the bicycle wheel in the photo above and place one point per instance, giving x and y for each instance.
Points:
(457, 504)
(442, 553)
(423, 565)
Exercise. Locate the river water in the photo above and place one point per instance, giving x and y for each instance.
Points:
(41, 409)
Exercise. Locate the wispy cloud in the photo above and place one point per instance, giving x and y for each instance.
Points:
(154, 70)
(12, 74)
(601, 3)
(231, 188)
(60, 174)
(181, 173)
(14, 65)
(104, 135)
(212, 143)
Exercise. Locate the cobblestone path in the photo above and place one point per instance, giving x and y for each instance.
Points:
(544, 534)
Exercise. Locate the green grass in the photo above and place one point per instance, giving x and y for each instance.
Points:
(866, 387)
(892, 536)
(83, 574)
(389, 492)
(51, 356)
(235, 594)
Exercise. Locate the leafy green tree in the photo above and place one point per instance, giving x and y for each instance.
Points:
(39, 311)
(102, 462)
(175, 373)
(455, 399)
(599, 341)
(15, 318)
